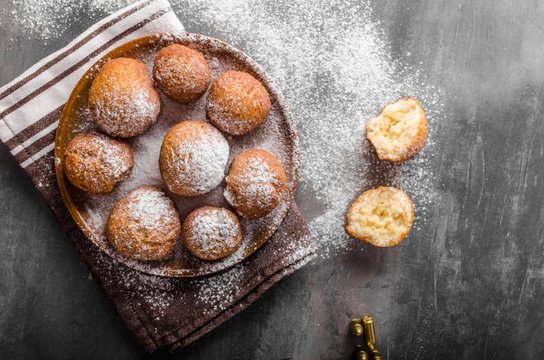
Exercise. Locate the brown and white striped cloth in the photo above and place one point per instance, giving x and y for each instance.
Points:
(160, 311)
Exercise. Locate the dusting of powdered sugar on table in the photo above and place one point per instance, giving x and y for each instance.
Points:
(48, 19)
(334, 79)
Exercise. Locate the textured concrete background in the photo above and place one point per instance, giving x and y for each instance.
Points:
(468, 284)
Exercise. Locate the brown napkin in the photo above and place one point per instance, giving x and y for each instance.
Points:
(160, 311)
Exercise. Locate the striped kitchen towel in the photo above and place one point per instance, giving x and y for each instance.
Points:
(171, 312)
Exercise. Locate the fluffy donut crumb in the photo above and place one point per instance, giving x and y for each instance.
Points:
(399, 132)
(381, 216)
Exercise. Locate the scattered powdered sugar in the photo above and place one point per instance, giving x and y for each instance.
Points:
(47, 20)
(136, 281)
(221, 292)
(157, 292)
(335, 79)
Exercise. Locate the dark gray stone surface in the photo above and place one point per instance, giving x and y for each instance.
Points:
(472, 284)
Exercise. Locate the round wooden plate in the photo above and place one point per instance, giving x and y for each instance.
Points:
(277, 135)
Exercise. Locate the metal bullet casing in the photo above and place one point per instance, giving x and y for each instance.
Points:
(368, 328)
(375, 355)
(356, 327)
(360, 353)
(364, 329)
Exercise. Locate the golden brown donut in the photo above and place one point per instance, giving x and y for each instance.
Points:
(399, 132)
(95, 162)
(122, 100)
(212, 232)
(381, 217)
(255, 183)
(193, 158)
(144, 225)
(237, 103)
(181, 72)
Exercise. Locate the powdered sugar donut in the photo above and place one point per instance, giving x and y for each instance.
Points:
(144, 225)
(237, 103)
(95, 162)
(193, 158)
(212, 232)
(255, 183)
(181, 72)
(122, 99)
